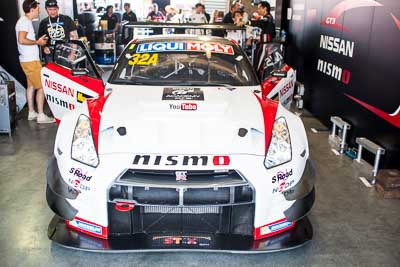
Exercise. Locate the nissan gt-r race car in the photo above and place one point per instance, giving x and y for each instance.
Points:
(180, 150)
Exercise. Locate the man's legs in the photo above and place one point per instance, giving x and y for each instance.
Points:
(30, 93)
(40, 100)
(32, 72)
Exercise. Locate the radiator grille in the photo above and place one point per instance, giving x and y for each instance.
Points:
(183, 210)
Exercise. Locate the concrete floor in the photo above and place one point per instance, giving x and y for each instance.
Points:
(353, 225)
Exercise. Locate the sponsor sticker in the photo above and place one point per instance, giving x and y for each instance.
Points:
(81, 174)
(77, 184)
(81, 97)
(171, 93)
(193, 241)
(132, 46)
(282, 179)
(174, 160)
(184, 106)
(275, 227)
(142, 59)
(282, 176)
(279, 226)
(89, 227)
(59, 87)
(286, 88)
(282, 186)
(185, 46)
(59, 102)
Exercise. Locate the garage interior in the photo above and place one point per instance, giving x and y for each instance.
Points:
(354, 224)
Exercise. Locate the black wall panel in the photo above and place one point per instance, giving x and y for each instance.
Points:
(8, 45)
(368, 87)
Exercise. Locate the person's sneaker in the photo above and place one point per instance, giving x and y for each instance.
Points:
(32, 115)
(43, 118)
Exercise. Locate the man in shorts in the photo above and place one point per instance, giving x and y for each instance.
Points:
(29, 59)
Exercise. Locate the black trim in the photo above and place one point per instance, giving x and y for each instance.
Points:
(227, 243)
(59, 205)
(301, 207)
(98, 71)
(57, 183)
(305, 185)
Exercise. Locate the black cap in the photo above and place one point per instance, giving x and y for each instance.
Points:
(51, 3)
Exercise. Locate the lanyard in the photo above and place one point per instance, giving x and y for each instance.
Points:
(53, 38)
(51, 24)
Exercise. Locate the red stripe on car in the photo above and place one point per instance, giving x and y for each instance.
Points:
(269, 85)
(95, 107)
(269, 108)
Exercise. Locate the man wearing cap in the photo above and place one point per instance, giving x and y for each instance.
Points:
(57, 27)
(29, 60)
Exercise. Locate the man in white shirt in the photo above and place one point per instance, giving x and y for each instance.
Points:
(238, 21)
(29, 59)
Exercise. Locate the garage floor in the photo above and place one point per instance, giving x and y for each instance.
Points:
(353, 225)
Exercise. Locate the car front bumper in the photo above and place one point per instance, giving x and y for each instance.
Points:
(58, 192)
(291, 239)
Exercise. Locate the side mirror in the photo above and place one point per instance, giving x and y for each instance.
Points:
(79, 72)
(279, 73)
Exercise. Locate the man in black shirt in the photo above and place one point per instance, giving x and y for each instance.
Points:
(234, 7)
(129, 15)
(267, 26)
(111, 18)
(57, 27)
(265, 23)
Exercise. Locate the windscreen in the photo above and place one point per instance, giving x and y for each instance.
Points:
(183, 63)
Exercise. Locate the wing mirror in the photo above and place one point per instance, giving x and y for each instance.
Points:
(79, 72)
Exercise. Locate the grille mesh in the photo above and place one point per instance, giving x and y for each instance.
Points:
(181, 210)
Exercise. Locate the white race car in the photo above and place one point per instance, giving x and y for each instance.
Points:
(180, 150)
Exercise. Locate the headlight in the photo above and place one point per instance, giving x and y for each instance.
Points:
(83, 149)
(280, 149)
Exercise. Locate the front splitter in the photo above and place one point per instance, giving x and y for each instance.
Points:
(69, 238)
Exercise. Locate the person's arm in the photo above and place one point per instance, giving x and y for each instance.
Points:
(23, 39)
(43, 31)
(134, 18)
(116, 24)
(73, 31)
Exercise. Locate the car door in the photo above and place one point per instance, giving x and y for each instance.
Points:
(278, 78)
(70, 78)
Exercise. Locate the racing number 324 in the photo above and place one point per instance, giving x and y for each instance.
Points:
(143, 59)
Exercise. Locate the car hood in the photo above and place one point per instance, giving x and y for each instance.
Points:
(181, 120)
